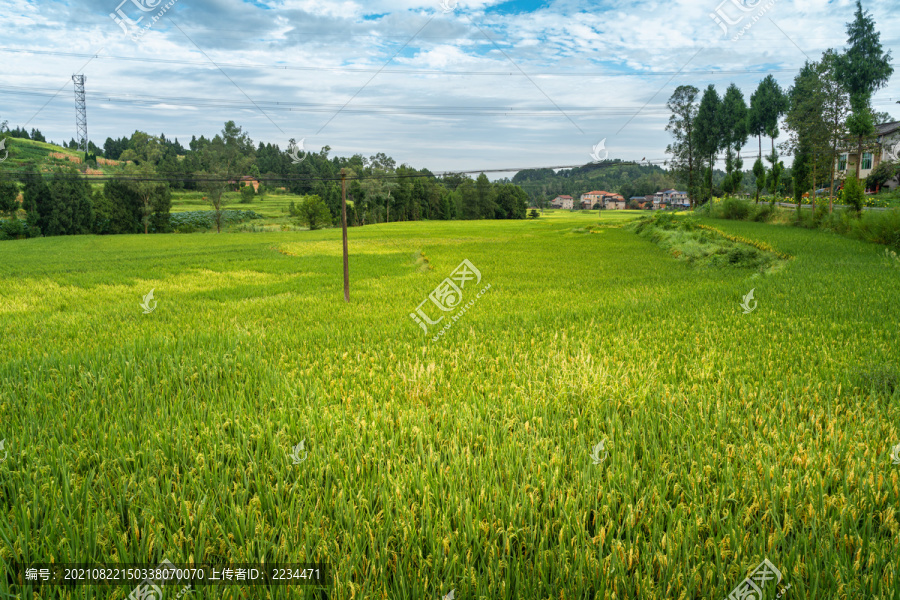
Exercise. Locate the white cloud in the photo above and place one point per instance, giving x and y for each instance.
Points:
(623, 55)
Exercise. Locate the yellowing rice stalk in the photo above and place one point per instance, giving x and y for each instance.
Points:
(605, 422)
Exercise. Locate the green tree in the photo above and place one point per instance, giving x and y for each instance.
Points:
(708, 135)
(160, 209)
(759, 171)
(173, 168)
(767, 104)
(801, 172)
(70, 211)
(773, 180)
(213, 184)
(446, 199)
(863, 68)
(247, 194)
(884, 172)
(235, 149)
(486, 204)
(836, 109)
(534, 214)
(382, 162)
(512, 201)
(379, 188)
(468, 200)
(734, 135)
(808, 132)
(118, 209)
(683, 106)
(36, 199)
(756, 114)
(143, 148)
(314, 213)
(150, 193)
(9, 192)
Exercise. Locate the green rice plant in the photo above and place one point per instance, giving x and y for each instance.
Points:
(469, 463)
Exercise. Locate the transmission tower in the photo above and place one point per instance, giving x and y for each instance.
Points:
(81, 112)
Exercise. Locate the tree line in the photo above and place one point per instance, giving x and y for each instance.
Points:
(827, 112)
(63, 202)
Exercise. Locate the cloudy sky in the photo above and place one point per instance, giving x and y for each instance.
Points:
(444, 84)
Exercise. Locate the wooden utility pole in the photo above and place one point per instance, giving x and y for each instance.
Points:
(344, 227)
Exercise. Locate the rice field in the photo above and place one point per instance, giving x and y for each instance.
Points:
(271, 205)
(467, 466)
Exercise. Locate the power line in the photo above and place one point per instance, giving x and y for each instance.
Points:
(657, 109)
(314, 107)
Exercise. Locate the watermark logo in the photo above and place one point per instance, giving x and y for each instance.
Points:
(449, 6)
(595, 456)
(449, 596)
(295, 455)
(148, 588)
(746, 303)
(294, 152)
(733, 12)
(600, 147)
(132, 27)
(3, 148)
(448, 296)
(893, 153)
(752, 587)
(146, 303)
(5, 452)
(895, 453)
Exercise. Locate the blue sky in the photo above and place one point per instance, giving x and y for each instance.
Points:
(443, 84)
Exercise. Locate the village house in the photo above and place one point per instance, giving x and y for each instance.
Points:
(641, 201)
(614, 202)
(603, 199)
(592, 199)
(567, 202)
(886, 148)
(671, 199)
(247, 180)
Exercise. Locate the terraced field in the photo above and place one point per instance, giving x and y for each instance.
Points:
(470, 463)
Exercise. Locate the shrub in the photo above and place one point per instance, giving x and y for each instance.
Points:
(704, 245)
(884, 172)
(880, 227)
(853, 193)
(17, 229)
(840, 221)
(763, 212)
(732, 208)
(821, 211)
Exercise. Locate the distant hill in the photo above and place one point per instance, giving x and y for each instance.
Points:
(612, 176)
(46, 156)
